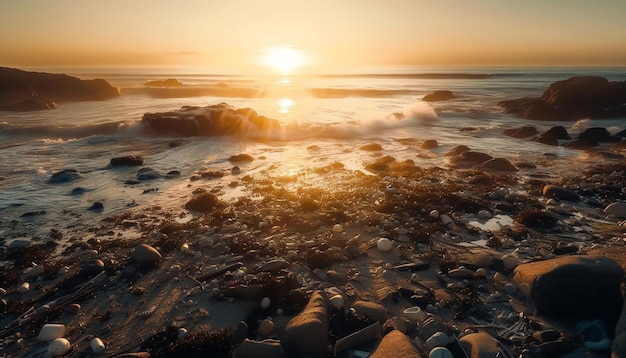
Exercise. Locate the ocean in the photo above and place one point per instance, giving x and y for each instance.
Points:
(324, 119)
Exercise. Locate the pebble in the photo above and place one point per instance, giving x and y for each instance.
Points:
(439, 339)
(182, 333)
(72, 308)
(3, 292)
(510, 262)
(616, 209)
(24, 287)
(484, 214)
(97, 346)
(440, 352)
(434, 214)
(51, 332)
(146, 254)
(266, 328)
(32, 272)
(337, 228)
(265, 303)
(510, 288)
(384, 244)
(59, 347)
(337, 302)
(446, 219)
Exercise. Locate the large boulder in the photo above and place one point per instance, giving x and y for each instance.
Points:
(306, 335)
(216, 120)
(24, 90)
(573, 287)
(573, 99)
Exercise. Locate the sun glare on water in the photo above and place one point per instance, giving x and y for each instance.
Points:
(285, 59)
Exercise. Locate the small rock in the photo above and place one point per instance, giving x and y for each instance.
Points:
(241, 333)
(617, 210)
(97, 346)
(439, 339)
(72, 308)
(337, 228)
(96, 206)
(434, 214)
(384, 244)
(510, 262)
(438, 96)
(266, 328)
(92, 267)
(446, 220)
(429, 144)
(337, 302)
(147, 174)
(265, 303)
(558, 192)
(241, 158)
(51, 332)
(59, 347)
(24, 287)
(441, 352)
(372, 310)
(64, 176)
(146, 255)
(371, 147)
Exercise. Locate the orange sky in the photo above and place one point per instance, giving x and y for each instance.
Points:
(334, 33)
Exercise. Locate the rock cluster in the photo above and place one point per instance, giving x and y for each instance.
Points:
(573, 99)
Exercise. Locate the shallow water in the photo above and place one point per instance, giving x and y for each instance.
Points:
(325, 119)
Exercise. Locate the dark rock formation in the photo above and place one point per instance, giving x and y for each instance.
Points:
(170, 82)
(575, 287)
(522, 132)
(24, 91)
(573, 99)
(130, 160)
(216, 120)
(64, 176)
(438, 96)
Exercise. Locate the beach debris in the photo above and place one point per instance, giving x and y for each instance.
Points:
(359, 338)
(415, 314)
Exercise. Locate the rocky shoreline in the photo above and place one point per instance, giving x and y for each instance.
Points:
(467, 261)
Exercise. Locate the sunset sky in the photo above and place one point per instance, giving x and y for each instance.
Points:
(332, 33)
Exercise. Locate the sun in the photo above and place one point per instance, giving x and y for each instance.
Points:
(285, 59)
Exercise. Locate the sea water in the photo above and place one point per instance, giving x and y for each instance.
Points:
(324, 118)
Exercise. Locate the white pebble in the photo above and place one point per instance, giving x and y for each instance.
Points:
(434, 214)
(440, 352)
(337, 228)
(59, 347)
(97, 346)
(3, 292)
(50, 332)
(384, 244)
(438, 339)
(265, 303)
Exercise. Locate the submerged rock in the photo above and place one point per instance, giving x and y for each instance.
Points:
(129, 160)
(438, 96)
(64, 176)
(558, 192)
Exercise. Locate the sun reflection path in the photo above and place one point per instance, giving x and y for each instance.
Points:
(285, 105)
